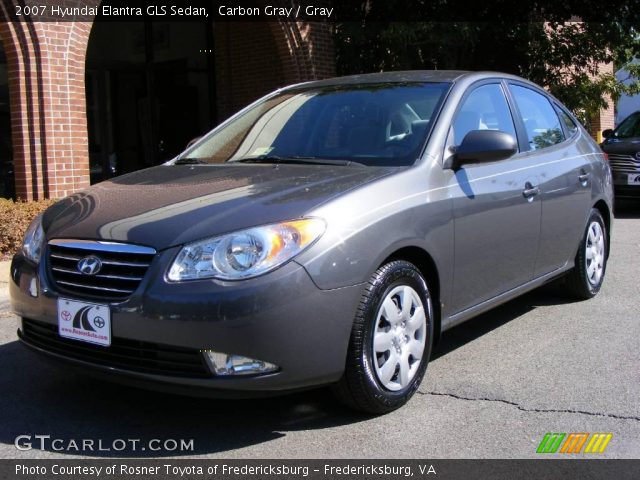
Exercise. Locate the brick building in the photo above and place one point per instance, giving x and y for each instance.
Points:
(606, 118)
(82, 101)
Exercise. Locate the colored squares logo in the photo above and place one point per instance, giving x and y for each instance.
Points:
(574, 442)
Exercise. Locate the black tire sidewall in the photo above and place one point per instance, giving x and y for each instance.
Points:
(399, 273)
(582, 258)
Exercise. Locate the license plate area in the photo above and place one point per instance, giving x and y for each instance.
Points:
(84, 322)
(633, 178)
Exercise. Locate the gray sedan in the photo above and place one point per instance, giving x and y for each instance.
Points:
(327, 234)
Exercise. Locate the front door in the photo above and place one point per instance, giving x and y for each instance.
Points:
(496, 208)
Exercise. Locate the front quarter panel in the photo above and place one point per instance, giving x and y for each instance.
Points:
(367, 225)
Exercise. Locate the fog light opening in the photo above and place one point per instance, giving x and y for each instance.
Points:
(225, 364)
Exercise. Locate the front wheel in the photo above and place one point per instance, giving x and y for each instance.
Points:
(586, 278)
(390, 342)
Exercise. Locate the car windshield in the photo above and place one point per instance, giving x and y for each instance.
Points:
(382, 124)
(630, 127)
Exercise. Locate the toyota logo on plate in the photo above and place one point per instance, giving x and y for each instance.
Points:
(89, 265)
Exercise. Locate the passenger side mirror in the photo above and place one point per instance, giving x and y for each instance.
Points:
(481, 146)
(608, 133)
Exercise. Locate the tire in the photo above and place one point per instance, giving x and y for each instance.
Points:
(585, 280)
(401, 335)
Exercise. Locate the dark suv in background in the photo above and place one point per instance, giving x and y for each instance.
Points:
(623, 147)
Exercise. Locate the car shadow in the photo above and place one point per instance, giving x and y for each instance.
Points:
(39, 398)
(463, 181)
(550, 294)
(42, 399)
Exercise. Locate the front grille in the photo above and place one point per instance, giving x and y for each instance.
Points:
(134, 355)
(624, 163)
(122, 268)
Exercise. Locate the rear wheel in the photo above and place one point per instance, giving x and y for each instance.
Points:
(586, 278)
(390, 341)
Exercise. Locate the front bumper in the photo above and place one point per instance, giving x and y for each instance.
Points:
(621, 187)
(281, 318)
(627, 192)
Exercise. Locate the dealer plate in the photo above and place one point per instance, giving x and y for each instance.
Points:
(86, 322)
(633, 179)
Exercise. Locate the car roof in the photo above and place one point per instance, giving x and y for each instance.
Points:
(464, 77)
(448, 76)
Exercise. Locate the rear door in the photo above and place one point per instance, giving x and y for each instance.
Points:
(496, 207)
(565, 176)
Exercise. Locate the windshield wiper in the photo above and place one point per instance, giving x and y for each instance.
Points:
(190, 161)
(295, 159)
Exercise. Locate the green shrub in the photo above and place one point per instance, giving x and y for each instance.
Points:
(14, 220)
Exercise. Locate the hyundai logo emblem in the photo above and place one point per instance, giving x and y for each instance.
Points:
(638, 155)
(89, 265)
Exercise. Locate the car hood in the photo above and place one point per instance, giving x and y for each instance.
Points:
(622, 146)
(170, 205)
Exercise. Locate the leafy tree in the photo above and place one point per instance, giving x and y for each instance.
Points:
(560, 45)
(568, 59)
(547, 138)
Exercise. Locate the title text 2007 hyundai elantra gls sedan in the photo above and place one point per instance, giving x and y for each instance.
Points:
(324, 235)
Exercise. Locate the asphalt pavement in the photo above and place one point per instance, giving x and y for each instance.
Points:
(496, 385)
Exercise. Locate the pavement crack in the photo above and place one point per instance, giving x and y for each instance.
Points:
(534, 410)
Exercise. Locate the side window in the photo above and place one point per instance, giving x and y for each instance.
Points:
(540, 120)
(568, 122)
(484, 109)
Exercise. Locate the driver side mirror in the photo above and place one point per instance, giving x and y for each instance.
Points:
(483, 146)
(608, 133)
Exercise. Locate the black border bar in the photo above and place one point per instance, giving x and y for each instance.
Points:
(351, 469)
(521, 11)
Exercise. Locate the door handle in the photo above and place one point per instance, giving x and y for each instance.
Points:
(583, 178)
(530, 191)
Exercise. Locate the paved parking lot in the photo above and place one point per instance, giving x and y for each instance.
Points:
(497, 384)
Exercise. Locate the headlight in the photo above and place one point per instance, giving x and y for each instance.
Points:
(33, 240)
(247, 253)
